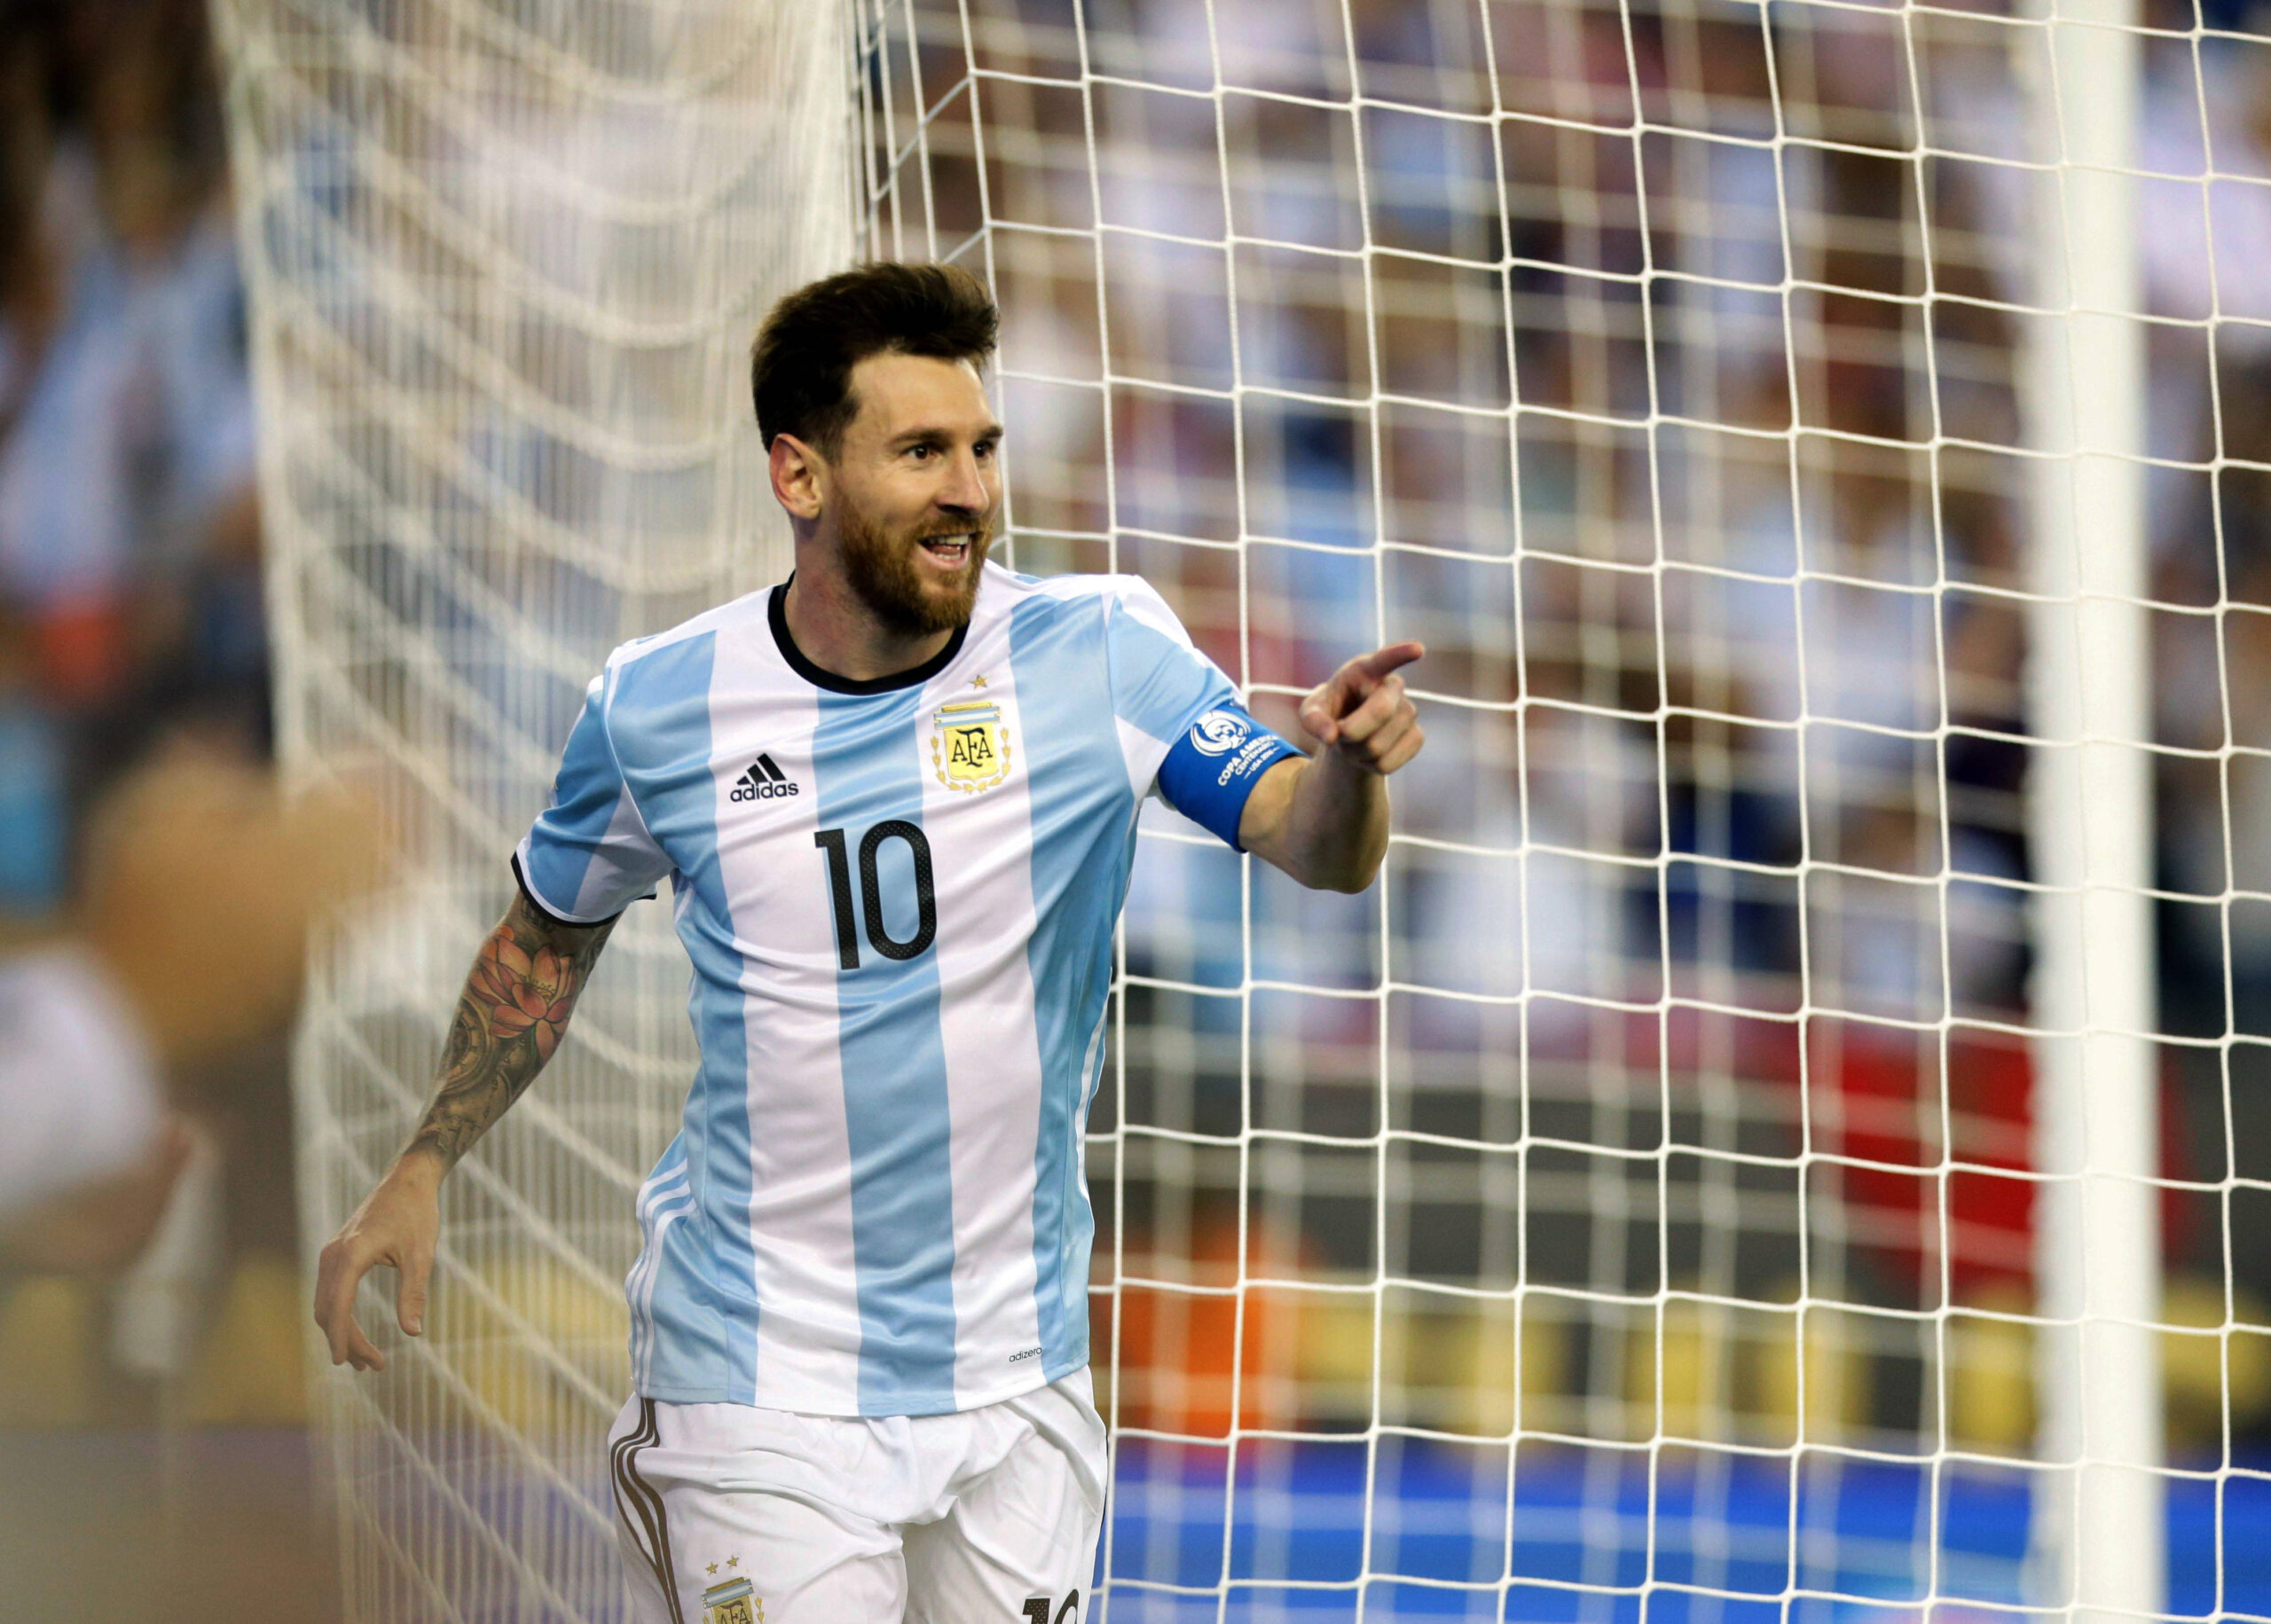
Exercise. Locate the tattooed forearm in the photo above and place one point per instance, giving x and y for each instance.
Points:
(515, 1005)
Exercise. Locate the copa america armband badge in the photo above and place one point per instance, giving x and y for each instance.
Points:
(970, 745)
(1232, 735)
(1218, 733)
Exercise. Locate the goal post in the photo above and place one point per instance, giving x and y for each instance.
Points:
(2099, 1531)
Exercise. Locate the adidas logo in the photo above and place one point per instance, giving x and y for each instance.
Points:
(763, 781)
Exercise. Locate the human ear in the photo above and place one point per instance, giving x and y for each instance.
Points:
(798, 477)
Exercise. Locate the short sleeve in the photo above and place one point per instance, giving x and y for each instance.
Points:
(1166, 688)
(589, 855)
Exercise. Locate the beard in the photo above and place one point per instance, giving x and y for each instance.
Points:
(883, 571)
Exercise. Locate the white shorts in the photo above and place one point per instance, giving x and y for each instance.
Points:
(732, 1514)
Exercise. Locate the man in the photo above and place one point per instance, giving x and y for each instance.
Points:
(896, 799)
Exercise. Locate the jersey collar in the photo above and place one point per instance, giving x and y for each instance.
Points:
(776, 615)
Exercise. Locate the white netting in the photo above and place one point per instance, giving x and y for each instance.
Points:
(1634, 1205)
(506, 260)
(1628, 1203)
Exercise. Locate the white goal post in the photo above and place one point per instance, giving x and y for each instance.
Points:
(2099, 1536)
(1720, 1166)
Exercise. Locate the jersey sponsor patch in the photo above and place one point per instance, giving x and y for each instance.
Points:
(970, 745)
(1218, 733)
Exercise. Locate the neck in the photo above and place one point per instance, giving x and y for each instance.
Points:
(838, 633)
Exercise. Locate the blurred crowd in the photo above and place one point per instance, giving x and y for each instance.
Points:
(152, 887)
(129, 556)
(151, 923)
(1745, 413)
(131, 622)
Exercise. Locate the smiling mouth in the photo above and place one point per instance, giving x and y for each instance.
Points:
(949, 549)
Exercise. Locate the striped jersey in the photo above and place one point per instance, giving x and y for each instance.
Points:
(899, 897)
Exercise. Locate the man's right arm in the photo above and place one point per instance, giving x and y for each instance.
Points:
(516, 1002)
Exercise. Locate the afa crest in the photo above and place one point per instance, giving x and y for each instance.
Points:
(732, 1603)
(970, 744)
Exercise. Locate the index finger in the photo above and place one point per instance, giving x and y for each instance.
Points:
(1380, 662)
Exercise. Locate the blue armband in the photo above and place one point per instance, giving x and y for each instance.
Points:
(1214, 765)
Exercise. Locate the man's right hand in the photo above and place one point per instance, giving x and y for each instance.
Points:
(398, 1225)
(525, 981)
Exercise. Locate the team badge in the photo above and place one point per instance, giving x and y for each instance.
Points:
(732, 1603)
(970, 744)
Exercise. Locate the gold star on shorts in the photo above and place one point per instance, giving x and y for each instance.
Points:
(977, 682)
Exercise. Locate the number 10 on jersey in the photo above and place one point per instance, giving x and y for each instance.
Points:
(869, 909)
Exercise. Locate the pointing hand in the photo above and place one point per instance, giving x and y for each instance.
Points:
(1362, 711)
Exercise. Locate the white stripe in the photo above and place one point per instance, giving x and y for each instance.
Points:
(1142, 754)
(660, 1184)
(800, 1149)
(981, 860)
(650, 1196)
(639, 1286)
(626, 844)
(643, 1366)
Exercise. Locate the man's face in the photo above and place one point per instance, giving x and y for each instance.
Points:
(917, 489)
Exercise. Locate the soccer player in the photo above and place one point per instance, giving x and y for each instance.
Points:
(896, 800)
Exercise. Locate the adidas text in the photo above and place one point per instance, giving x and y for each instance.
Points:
(763, 781)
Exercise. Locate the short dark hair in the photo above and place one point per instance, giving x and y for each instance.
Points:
(800, 367)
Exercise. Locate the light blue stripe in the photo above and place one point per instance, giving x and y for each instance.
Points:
(706, 1330)
(1083, 849)
(867, 760)
(1157, 683)
(568, 832)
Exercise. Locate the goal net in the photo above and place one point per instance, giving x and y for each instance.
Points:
(505, 262)
(1783, 1136)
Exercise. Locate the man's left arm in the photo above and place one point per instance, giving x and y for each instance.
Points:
(1323, 818)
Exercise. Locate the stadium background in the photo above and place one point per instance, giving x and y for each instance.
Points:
(130, 571)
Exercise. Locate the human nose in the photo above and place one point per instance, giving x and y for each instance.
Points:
(966, 491)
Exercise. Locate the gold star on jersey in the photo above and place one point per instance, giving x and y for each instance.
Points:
(970, 744)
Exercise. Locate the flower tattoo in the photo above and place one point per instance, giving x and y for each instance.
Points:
(524, 983)
(525, 993)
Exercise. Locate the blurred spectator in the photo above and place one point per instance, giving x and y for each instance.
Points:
(35, 813)
(130, 617)
(202, 882)
(89, 1151)
(127, 530)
